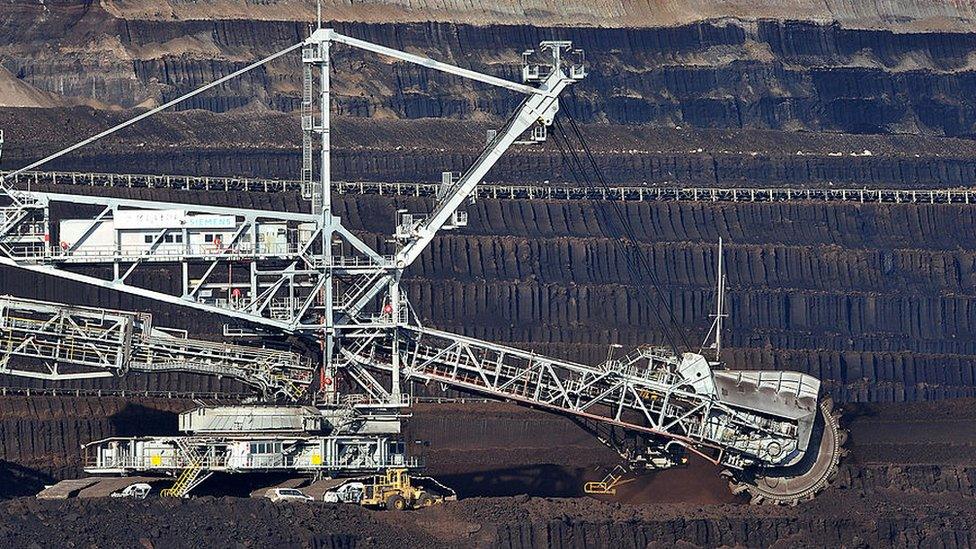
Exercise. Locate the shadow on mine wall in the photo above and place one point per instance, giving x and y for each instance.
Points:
(139, 420)
(534, 480)
(19, 481)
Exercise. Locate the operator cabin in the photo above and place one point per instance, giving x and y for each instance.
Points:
(174, 234)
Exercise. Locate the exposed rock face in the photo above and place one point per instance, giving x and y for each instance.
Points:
(503, 523)
(824, 289)
(267, 145)
(45, 434)
(911, 14)
(729, 74)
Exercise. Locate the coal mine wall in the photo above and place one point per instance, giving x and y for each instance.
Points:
(41, 436)
(892, 14)
(755, 532)
(502, 523)
(843, 292)
(771, 74)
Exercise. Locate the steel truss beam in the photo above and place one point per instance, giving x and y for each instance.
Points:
(648, 391)
(60, 342)
(292, 282)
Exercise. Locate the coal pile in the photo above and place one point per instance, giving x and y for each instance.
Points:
(839, 519)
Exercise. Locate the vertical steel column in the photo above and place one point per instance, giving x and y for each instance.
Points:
(396, 315)
(3, 184)
(255, 290)
(328, 310)
(47, 228)
(116, 246)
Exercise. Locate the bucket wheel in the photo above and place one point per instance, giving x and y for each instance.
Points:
(802, 481)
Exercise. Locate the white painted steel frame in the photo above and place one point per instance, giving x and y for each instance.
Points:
(643, 392)
(339, 455)
(102, 343)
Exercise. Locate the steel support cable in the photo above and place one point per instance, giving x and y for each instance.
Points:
(575, 166)
(632, 236)
(630, 254)
(150, 112)
(637, 264)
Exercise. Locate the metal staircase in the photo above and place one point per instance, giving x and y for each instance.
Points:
(191, 476)
(9, 218)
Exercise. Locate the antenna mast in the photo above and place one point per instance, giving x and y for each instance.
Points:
(720, 302)
(720, 313)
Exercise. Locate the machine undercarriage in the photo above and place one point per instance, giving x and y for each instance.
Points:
(277, 275)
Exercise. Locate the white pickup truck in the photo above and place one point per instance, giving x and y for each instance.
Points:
(138, 490)
(350, 492)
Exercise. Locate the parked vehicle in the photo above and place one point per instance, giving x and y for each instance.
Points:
(394, 490)
(287, 494)
(351, 492)
(138, 490)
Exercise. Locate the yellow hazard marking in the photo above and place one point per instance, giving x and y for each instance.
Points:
(156, 460)
(316, 459)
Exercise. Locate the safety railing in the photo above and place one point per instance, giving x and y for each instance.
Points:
(125, 393)
(541, 191)
(30, 180)
(215, 396)
(133, 454)
(63, 251)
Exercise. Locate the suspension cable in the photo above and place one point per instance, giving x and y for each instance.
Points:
(637, 264)
(151, 112)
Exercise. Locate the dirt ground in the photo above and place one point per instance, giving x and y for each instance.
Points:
(838, 518)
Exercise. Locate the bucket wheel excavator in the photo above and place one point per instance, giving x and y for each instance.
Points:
(305, 276)
(803, 480)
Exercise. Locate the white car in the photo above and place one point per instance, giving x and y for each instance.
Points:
(286, 494)
(138, 490)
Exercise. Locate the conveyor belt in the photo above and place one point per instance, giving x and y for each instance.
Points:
(60, 342)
